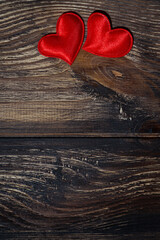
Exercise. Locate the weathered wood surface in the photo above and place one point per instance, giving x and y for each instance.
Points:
(77, 236)
(80, 185)
(44, 96)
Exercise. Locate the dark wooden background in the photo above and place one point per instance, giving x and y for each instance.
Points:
(73, 187)
(42, 96)
(82, 185)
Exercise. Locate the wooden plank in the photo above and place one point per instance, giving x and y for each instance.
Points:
(85, 185)
(77, 236)
(43, 96)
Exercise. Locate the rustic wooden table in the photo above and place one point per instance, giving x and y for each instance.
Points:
(79, 146)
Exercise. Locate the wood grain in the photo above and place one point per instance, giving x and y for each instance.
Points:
(81, 185)
(43, 96)
(77, 236)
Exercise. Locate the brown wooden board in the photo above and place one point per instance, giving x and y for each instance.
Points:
(87, 185)
(78, 236)
(45, 96)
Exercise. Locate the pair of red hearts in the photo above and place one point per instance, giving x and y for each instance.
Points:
(101, 39)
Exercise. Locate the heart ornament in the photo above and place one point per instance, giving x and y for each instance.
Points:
(67, 41)
(104, 41)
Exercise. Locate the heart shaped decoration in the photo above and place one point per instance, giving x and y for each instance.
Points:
(104, 41)
(67, 41)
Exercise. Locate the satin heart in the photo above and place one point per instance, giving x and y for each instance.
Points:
(66, 43)
(104, 41)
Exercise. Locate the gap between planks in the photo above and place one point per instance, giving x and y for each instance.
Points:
(78, 135)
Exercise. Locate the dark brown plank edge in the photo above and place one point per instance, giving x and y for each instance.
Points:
(81, 135)
(78, 236)
(83, 185)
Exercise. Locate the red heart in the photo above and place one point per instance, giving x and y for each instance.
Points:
(66, 43)
(103, 41)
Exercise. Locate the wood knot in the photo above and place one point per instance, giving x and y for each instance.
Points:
(117, 73)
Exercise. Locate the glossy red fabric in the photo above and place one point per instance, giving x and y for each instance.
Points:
(66, 43)
(104, 41)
